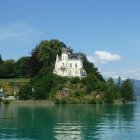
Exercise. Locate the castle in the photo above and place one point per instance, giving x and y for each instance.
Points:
(68, 64)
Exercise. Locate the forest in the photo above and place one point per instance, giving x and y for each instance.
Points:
(44, 85)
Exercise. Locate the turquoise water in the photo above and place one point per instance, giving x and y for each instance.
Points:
(34, 121)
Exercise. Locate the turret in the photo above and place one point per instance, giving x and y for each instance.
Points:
(64, 54)
(65, 51)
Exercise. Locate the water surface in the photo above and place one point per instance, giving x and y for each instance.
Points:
(41, 121)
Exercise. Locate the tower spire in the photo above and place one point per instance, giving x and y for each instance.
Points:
(57, 58)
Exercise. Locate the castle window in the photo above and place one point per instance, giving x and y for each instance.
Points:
(70, 72)
(75, 65)
(70, 65)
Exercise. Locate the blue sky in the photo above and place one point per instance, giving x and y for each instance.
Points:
(108, 31)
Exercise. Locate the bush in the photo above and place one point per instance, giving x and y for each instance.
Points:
(6, 102)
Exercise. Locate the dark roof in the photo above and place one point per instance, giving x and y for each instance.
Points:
(76, 56)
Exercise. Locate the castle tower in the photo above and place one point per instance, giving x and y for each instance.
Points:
(64, 55)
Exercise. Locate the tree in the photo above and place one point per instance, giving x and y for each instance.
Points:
(90, 68)
(3, 72)
(1, 60)
(119, 81)
(9, 66)
(34, 64)
(110, 92)
(25, 92)
(91, 82)
(127, 90)
(47, 51)
(22, 67)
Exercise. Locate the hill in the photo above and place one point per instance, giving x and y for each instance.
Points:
(45, 85)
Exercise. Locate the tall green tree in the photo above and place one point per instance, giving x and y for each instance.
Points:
(1, 60)
(127, 90)
(9, 66)
(47, 51)
(110, 92)
(119, 81)
(3, 73)
(22, 67)
(34, 64)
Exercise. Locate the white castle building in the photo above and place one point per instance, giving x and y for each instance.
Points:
(70, 65)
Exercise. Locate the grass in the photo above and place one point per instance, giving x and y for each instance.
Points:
(9, 85)
(15, 80)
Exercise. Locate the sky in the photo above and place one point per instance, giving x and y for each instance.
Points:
(107, 31)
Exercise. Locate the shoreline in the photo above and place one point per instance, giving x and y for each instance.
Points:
(52, 103)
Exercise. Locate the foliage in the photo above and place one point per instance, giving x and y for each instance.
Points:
(6, 102)
(34, 65)
(39, 67)
(92, 83)
(8, 69)
(110, 91)
(127, 90)
(1, 60)
(22, 66)
(90, 68)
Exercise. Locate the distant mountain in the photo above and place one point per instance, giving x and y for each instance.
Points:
(137, 87)
(136, 83)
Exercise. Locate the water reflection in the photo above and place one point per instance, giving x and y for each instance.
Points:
(68, 131)
(66, 122)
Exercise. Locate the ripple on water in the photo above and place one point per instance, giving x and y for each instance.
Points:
(68, 130)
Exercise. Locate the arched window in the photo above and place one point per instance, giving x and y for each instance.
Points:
(70, 65)
(75, 65)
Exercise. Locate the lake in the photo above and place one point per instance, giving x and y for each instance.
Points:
(43, 121)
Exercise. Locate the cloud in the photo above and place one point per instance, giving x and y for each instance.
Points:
(17, 31)
(103, 57)
(132, 74)
(91, 59)
(107, 56)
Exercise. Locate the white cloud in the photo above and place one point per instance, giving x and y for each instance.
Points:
(133, 74)
(103, 57)
(91, 59)
(107, 56)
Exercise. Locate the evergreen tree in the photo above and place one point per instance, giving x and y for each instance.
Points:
(1, 60)
(119, 81)
(127, 90)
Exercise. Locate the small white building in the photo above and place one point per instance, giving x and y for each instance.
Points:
(68, 64)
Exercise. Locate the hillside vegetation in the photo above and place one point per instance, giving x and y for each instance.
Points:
(48, 86)
(13, 84)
